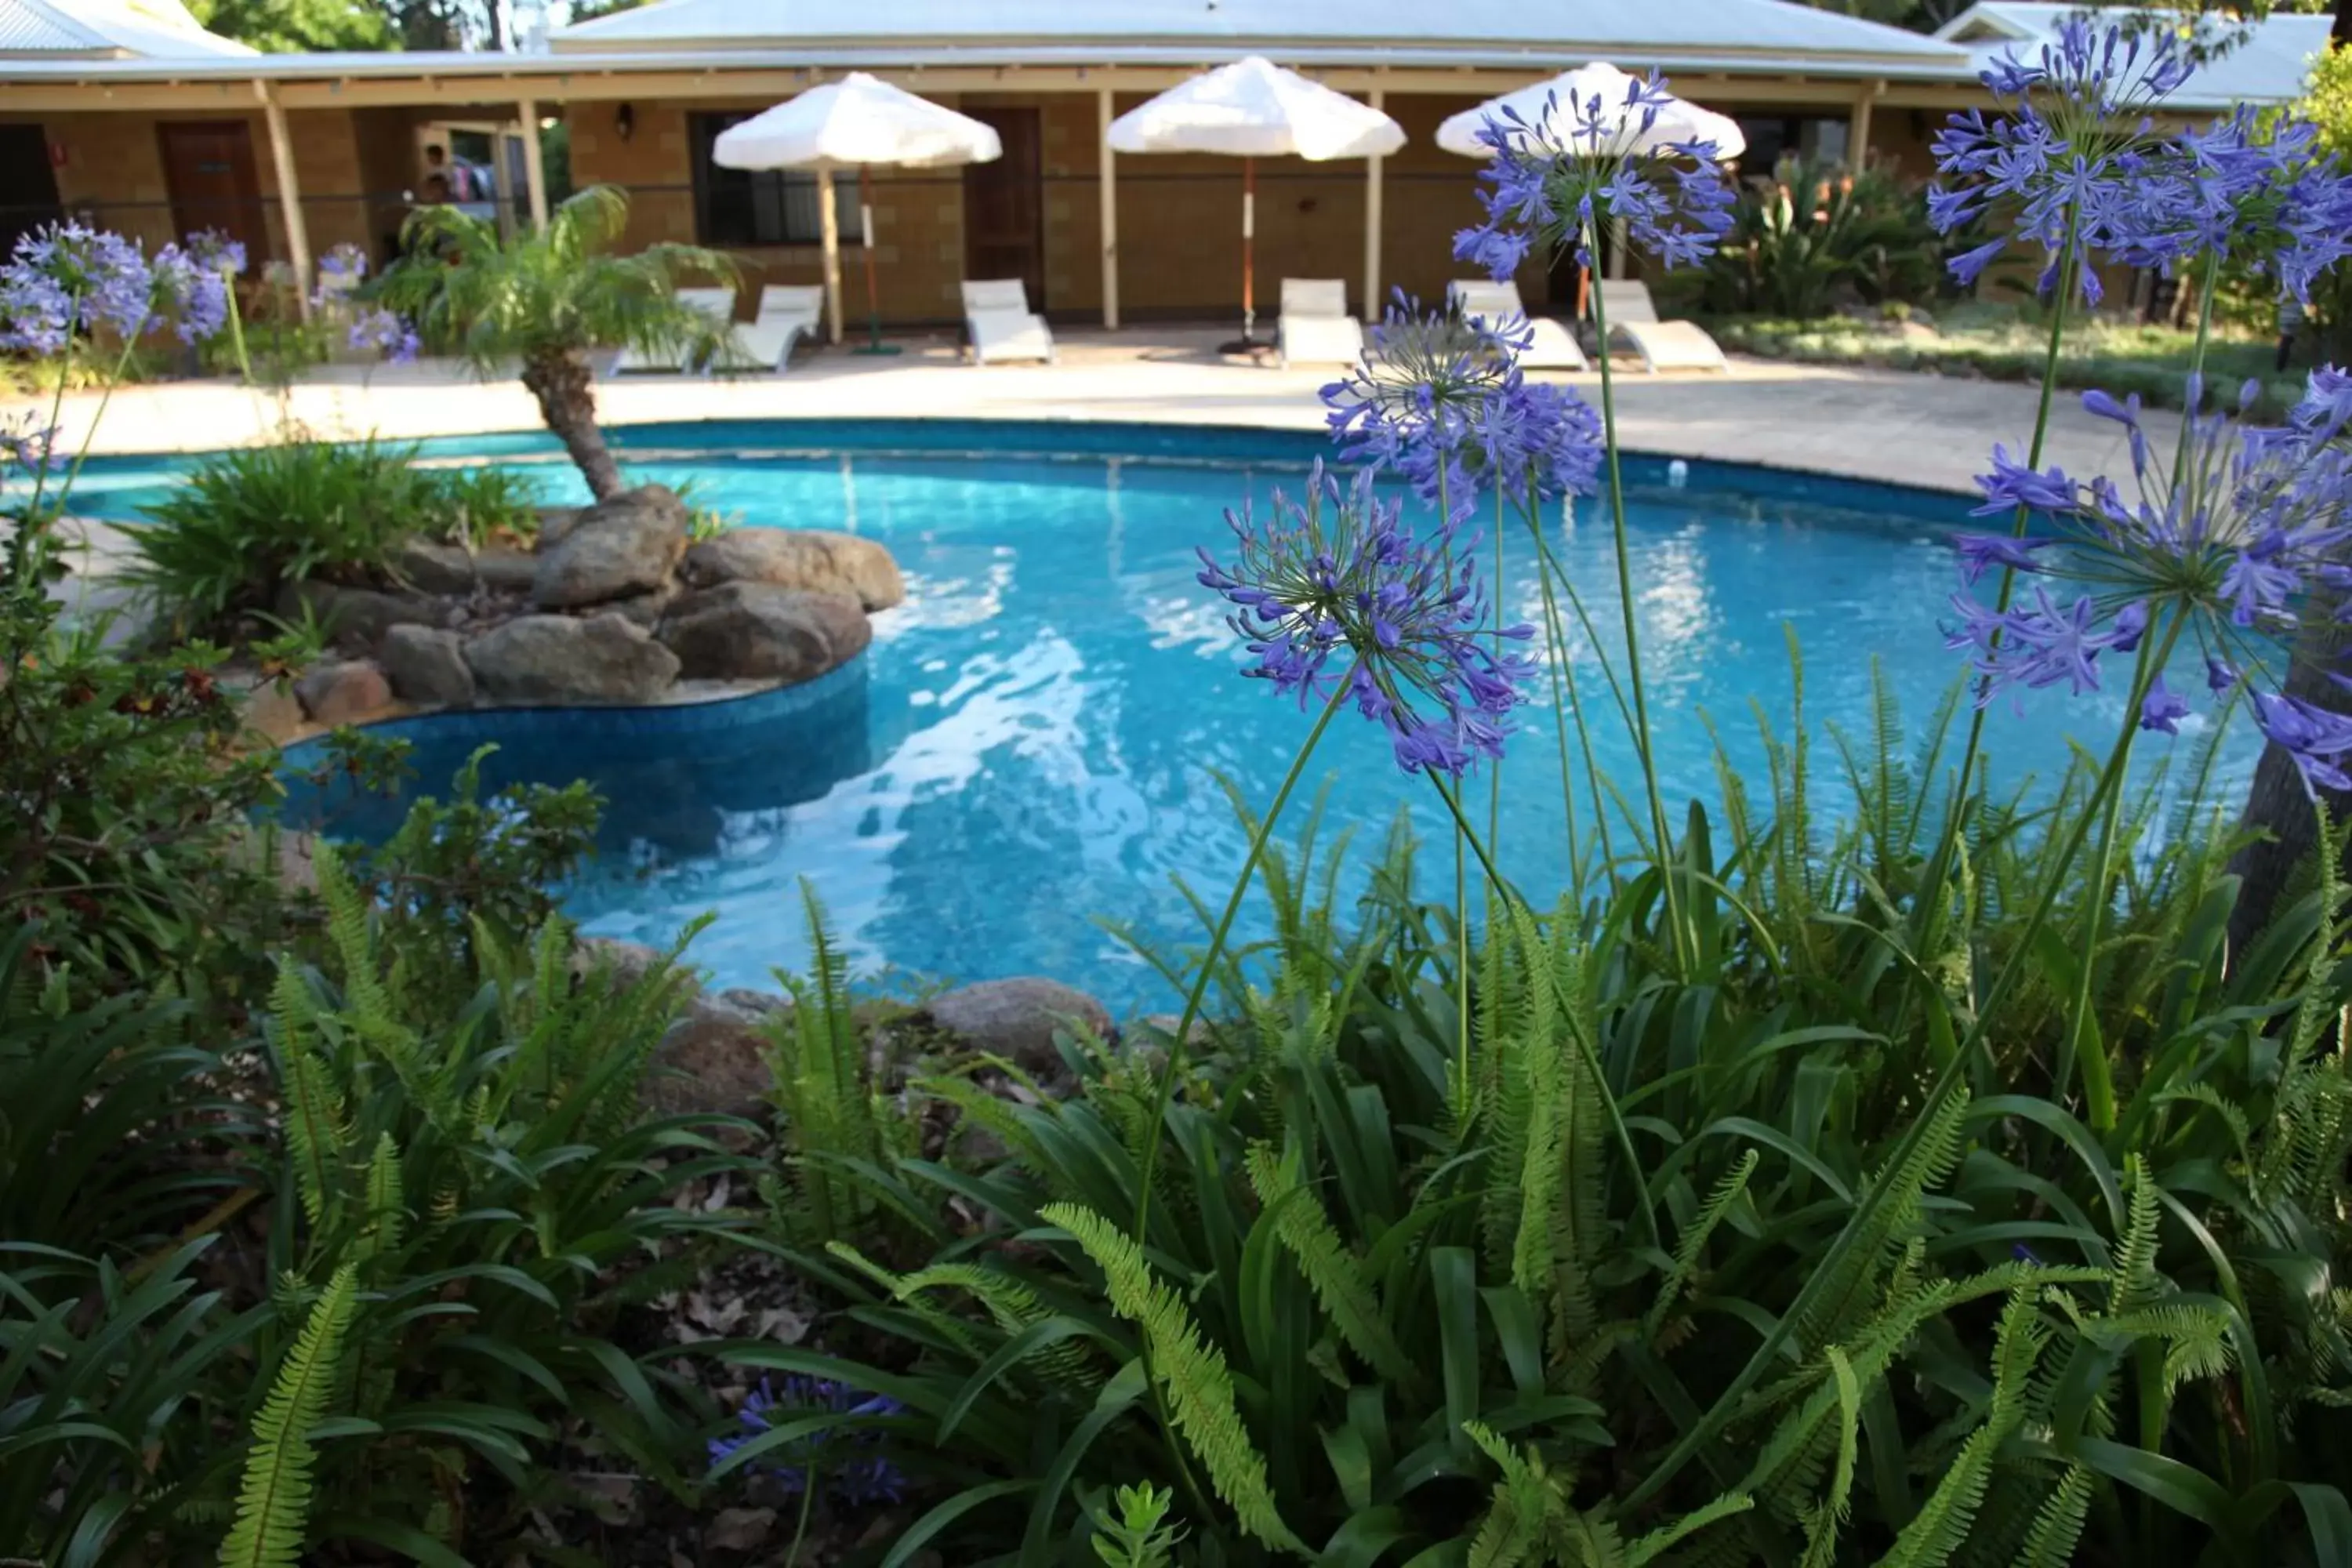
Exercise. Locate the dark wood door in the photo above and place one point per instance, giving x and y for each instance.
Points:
(208, 170)
(1005, 206)
(28, 188)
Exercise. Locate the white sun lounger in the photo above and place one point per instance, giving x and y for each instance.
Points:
(1554, 346)
(1001, 326)
(1315, 328)
(1663, 345)
(787, 313)
(719, 304)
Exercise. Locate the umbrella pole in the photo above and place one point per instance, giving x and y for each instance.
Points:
(874, 343)
(1248, 343)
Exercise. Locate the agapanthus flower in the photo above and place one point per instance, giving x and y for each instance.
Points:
(1340, 578)
(1559, 180)
(28, 446)
(216, 251)
(2261, 194)
(345, 261)
(1439, 400)
(2229, 545)
(192, 294)
(64, 279)
(843, 1459)
(2061, 159)
(382, 331)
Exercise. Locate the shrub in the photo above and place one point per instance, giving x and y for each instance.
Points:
(1813, 237)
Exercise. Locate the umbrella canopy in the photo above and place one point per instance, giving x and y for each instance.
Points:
(859, 120)
(1250, 110)
(1551, 110)
(851, 123)
(1254, 108)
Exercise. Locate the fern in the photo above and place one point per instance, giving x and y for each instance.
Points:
(386, 1210)
(1194, 1377)
(1867, 1251)
(1139, 1537)
(2058, 1526)
(1827, 1516)
(1694, 1239)
(1647, 1548)
(273, 1502)
(317, 1140)
(1334, 1274)
(1943, 1521)
(1524, 1512)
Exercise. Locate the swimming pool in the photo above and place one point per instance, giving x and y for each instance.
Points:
(1034, 738)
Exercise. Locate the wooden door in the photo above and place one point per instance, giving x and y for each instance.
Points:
(28, 189)
(1005, 206)
(208, 170)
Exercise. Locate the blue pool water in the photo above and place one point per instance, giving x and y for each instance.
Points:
(1032, 743)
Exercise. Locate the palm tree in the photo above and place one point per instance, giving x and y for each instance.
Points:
(545, 299)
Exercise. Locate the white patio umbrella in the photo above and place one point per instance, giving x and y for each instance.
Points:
(1254, 108)
(1550, 107)
(855, 122)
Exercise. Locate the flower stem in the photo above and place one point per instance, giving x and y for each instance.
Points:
(1662, 845)
(1563, 679)
(90, 437)
(237, 329)
(1827, 1268)
(1460, 882)
(57, 411)
(2196, 362)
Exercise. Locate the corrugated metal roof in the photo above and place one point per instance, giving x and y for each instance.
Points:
(2269, 64)
(1585, 27)
(108, 29)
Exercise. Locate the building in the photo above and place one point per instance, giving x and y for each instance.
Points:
(129, 114)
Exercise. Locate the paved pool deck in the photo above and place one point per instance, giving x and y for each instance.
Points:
(1924, 430)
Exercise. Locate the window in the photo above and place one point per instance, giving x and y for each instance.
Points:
(767, 206)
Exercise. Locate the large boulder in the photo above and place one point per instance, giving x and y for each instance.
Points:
(1016, 1019)
(427, 664)
(356, 618)
(433, 568)
(566, 659)
(820, 562)
(617, 547)
(342, 693)
(755, 631)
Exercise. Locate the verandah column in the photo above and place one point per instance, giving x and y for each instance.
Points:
(289, 193)
(1108, 179)
(534, 163)
(1373, 168)
(1857, 127)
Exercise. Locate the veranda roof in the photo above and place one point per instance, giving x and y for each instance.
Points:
(85, 30)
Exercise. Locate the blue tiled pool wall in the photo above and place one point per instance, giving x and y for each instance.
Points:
(1092, 441)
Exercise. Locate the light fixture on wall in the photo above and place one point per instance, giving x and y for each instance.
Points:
(625, 121)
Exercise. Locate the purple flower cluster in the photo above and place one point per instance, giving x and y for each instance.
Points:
(2065, 159)
(379, 330)
(1341, 575)
(193, 293)
(1440, 400)
(27, 446)
(346, 263)
(2233, 543)
(66, 279)
(1549, 188)
(843, 1460)
(216, 252)
(2263, 194)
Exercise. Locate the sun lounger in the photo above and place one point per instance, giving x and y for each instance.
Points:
(1001, 326)
(1553, 346)
(1663, 345)
(787, 312)
(719, 304)
(1315, 328)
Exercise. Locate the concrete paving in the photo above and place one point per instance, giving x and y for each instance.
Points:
(1912, 429)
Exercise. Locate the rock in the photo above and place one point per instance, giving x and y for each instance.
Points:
(619, 547)
(755, 631)
(814, 558)
(1016, 1019)
(713, 1062)
(356, 618)
(427, 665)
(433, 568)
(644, 609)
(342, 693)
(630, 961)
(738, 1530)
(560, 660)
(555, 522)
(758, 1004)
(272, 710)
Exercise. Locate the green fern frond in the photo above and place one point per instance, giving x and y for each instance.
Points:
(2134, 1279)
(273, 1504)
(1014, 1307)
(386, 1209)
(1827, 1516)
(1942, 1523)
(1521, 1518)
(1335, 1274)
(2058, 1526)
(1194, 1377)
(1853, 1284)
(1646, 1548)
(317, 1138)
(1693, 1241)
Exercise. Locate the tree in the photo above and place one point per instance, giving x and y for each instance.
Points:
(287, 26)
(546, 299)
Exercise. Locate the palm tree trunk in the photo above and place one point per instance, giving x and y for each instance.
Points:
(2277, 808)
(563, 384)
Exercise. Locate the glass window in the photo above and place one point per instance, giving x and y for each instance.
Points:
(766, 206)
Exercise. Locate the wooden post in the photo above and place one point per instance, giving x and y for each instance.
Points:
(289, 193)
(1373, 182)
(1857, 126)
(534, 164)
(1107, 181)
(829, 228)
